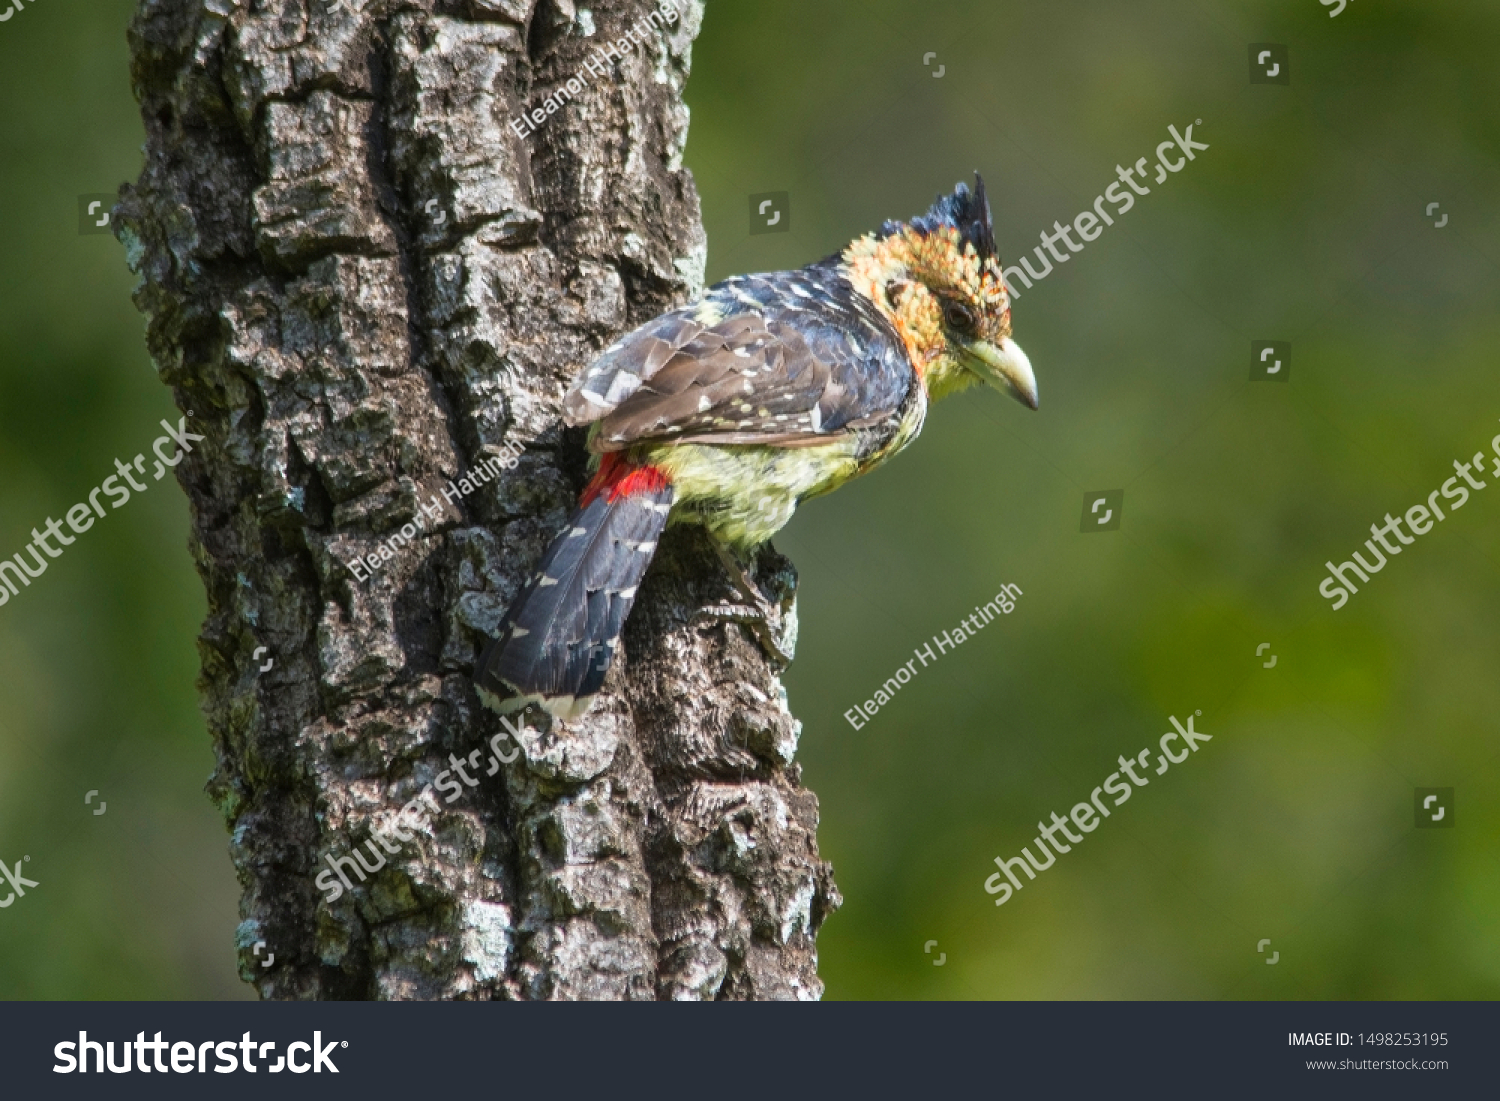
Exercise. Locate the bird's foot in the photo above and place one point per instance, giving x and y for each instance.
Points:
(774, 625)
(760, 621)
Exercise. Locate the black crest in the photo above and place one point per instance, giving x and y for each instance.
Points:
(966, 211)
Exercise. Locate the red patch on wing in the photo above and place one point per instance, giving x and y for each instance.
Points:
(617, 478)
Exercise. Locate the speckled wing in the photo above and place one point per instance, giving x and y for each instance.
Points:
(772, 372)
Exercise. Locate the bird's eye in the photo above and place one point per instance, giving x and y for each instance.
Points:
(958, 316)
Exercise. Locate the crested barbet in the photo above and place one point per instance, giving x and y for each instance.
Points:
(730, 412)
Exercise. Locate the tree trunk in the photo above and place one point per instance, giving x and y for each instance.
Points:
(362, 283)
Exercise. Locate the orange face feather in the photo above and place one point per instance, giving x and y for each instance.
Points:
(913, 277)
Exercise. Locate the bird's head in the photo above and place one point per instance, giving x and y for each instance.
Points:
(938, 280)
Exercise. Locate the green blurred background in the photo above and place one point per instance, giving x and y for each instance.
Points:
(1305, 221)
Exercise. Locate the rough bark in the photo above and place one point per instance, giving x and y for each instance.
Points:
(363, 283)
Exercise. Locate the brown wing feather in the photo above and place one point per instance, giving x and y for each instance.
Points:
(623, 366)
(742, 380)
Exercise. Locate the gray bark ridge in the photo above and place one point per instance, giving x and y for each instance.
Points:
(365, 285)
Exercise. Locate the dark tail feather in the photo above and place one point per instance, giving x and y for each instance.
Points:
(561, 633)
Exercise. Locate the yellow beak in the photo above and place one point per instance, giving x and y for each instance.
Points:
(1005, 367)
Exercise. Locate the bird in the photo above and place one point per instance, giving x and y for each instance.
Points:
(769, 390)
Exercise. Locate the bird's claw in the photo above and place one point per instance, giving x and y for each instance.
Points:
(758, 619)
(774, 625)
